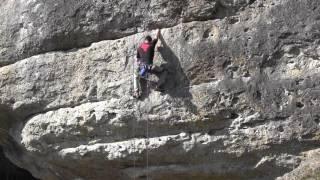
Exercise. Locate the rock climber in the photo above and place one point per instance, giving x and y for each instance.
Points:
(144, 64)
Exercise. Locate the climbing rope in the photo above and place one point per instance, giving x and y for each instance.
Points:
(133, 74)
(134, 9)
(147, 143)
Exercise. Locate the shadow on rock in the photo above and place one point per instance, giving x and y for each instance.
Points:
(177, 84)
(9, 171)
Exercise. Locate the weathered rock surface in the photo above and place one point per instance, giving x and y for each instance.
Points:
(308, 169)
(34, 26)
(241, 99)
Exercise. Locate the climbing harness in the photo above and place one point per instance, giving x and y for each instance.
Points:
(143, 71)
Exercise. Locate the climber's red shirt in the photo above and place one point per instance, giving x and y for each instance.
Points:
(145, 51)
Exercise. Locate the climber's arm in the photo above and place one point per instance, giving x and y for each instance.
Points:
(158, 33)
(157, 38)
(138, 55)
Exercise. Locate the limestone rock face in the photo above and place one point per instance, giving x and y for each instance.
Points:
(34, 26)
(241, 100)
(308, 169)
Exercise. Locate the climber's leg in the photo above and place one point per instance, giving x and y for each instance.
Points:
(136, 82)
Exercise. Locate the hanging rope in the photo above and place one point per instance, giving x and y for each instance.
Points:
(147, 143)
(134, 9)
(133, 74)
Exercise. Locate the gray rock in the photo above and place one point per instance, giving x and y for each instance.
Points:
(32, 27)
(241, 100)
(308, 168)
